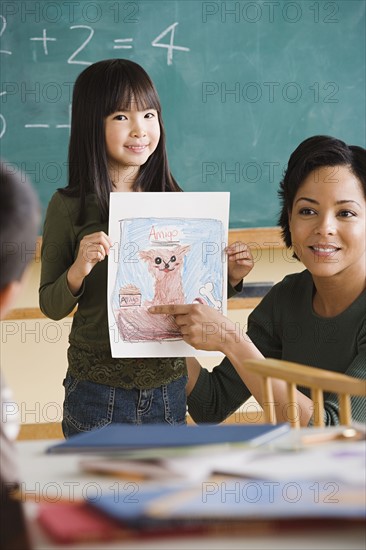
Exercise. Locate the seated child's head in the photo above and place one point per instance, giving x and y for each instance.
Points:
(19, 219)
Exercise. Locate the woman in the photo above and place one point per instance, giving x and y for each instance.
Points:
(317, 317)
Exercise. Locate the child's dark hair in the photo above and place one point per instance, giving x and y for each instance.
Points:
(19, 219)
(312, 154)
(100, 90)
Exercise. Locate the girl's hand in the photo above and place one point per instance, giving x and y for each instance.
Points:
(240, 262)
(202, 327)
(93, 249)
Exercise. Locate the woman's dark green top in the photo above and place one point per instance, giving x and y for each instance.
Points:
(285, 326)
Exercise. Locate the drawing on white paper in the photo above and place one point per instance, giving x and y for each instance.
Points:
(165, 261)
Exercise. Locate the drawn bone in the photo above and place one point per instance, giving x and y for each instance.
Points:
(206, 291)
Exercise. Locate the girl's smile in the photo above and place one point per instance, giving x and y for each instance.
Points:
(136, 148)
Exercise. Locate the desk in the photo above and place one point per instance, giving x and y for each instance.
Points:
(56, 476)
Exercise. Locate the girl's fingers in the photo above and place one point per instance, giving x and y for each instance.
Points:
(101, 253)
(93, 252)
(236, 257)
(95, 247)
(98, 238)
(244, 262)
(238, 251)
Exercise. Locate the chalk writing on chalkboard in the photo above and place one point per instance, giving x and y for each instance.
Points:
(57, 126)
(74, 59)
(2, 30)
(120, 43)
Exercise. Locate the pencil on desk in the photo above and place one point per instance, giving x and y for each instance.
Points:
(348, 434)
(120, 474)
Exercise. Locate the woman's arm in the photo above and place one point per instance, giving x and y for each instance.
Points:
(205, 328)
(213, 396)
(357, 369)
(237, 352)
(194, 371)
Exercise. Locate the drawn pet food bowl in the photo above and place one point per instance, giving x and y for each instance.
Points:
(129, 296)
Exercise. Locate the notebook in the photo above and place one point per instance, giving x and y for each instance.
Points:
(124, 438)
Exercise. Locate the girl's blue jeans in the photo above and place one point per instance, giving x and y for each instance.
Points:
(89, 405)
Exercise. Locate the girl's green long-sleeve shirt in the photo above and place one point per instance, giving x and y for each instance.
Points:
(89, 353)
(284, 326)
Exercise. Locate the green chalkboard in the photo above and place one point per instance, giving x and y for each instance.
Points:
(241, 84)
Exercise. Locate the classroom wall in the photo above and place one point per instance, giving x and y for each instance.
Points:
(33, 352)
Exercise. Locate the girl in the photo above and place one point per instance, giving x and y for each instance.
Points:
(317, 317)
(117, 144)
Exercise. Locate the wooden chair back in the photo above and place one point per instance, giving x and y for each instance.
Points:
(317, 380)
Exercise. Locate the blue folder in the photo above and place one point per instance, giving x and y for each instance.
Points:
(236, 499)
(126, 437)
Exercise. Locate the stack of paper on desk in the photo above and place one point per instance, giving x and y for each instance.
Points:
(343, 462)
(164, 452)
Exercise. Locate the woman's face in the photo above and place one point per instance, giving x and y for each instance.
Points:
(328, 223)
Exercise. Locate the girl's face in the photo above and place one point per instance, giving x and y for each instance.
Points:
(131, 137)
(328, 223)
